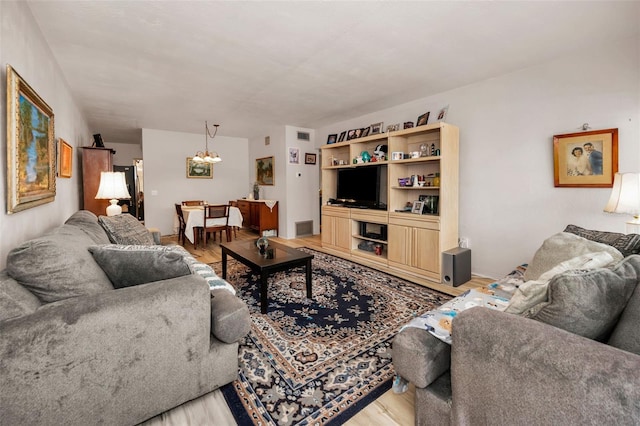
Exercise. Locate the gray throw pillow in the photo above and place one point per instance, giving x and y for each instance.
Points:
(129, 265)
(627, 244)
(88, 223)
(126, 229)
(589, 303)
(57, 266)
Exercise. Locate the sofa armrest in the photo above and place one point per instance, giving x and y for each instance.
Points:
(230, 320)
(506, 369)
(89, 355)
(419, 357)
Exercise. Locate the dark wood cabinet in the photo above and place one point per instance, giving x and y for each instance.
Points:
(94, 161)
(258, 216)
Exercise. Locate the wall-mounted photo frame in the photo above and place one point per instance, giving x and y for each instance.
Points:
(376, 128)
(585, 159)
(309, 158)
(422, 119)
(343, 136)
(65, 159)
(332, 139)
(417, 207)
(294, 156)
(265, 171)
(31, 148)
(199, 170)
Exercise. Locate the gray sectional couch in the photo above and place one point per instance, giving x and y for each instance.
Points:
(81, 346)
(573, 359)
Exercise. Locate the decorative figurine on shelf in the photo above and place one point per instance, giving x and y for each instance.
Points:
(366, 157)
(381, 152)
(256, 191)
(262, 243)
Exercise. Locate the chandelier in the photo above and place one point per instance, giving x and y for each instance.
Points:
(206, 156)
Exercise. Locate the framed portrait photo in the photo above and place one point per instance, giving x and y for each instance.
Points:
(294, 156)
(65, 159)
(585, 159)
(332, 139)
(309, 158)
(31, 148)
(376, 128)
(417, 207)
(199, 170)
(343, 136)
(422, 119)
(264, 171)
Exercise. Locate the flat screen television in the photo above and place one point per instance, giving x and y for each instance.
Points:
(360, 187)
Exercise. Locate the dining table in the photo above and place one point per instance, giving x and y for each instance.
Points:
(194, 218)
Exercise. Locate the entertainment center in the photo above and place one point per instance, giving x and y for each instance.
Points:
(397, 214)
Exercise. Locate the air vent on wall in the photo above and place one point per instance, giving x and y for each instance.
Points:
(304, 229)
(303, 136)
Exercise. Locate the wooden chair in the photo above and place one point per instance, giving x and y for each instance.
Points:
(234, 203)
(182, 225)
(193, 203)
(213, 213)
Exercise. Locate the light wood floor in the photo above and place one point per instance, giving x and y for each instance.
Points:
(211, 409)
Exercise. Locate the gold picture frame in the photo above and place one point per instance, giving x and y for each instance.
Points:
(585, 159)
(265, 171)
(31, 152)
(198, 169)
(65, 159)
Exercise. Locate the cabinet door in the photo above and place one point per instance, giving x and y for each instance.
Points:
(399, 238)
(425, 250)
(327, 230)
(342, 232)
(254, 216)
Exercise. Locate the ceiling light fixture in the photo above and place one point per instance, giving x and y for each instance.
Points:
(206, 156)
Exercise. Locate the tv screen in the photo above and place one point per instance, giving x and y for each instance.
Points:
(360, 186)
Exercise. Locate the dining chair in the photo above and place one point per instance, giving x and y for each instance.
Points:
(193, 203)
(182, 224)
(216, 219)
(234, 203)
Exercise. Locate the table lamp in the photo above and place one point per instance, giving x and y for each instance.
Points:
(113, 186)
(625, 199)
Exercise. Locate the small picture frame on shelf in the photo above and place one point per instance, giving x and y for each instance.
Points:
(353, 134)
(408, 124)
(365, 132)
(423, 119)
(332, 139)
(376, 128)
(442, 115)
(417, 207)
(342, 137)
(393, 127)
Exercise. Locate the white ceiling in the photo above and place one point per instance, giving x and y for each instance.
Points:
(248, 66)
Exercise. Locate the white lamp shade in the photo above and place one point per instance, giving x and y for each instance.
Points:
(113, 186)
(625, 195)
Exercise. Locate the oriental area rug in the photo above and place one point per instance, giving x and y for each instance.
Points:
(321, 360)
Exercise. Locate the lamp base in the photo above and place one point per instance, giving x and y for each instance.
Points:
(114, 209)
(633, 226)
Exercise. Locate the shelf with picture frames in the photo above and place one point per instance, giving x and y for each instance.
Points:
(417, 234)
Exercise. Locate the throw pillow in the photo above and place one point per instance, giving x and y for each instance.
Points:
(589, 303)
(533, 292)
(57, 266)
(126, 230)
(129, 265)
(627, 244)
(561, 247)
(88, 223)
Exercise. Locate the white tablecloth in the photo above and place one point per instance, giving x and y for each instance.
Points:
(194, 217)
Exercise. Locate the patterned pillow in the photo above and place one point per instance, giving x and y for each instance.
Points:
(589, 303)
(126, 229)
(129, 265)
(627, 244)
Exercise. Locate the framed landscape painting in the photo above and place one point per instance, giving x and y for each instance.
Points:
(585, 159)
(65, 159)
(199, 170)
(31, 152)
(264, 171)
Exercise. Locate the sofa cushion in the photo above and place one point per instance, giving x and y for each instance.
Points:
(15, 300)
(589, 303)
(627, 244)
(88, 223)
(561, 247)
(57, 266)
(128, 265)
(626, 335)
(126, 229)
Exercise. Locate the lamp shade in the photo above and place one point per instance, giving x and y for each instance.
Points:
(113, 186)
(625, 195)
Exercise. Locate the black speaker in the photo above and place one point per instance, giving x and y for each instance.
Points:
(97, 140)
(456, 266)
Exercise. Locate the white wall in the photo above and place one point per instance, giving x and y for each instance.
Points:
(24, 48)
(165, 179)
(125, 153)
(508, 204)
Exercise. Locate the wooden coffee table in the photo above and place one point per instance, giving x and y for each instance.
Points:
(284, 259)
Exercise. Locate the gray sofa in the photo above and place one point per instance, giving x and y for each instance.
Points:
(75, 350)
(573, 360)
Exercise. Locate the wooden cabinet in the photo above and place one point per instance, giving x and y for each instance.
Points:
(94, 161)
(258, 216)
(414, 242)
(336, 228)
